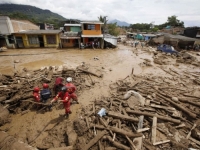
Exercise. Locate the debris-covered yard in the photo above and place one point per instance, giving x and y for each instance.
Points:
(148, 99)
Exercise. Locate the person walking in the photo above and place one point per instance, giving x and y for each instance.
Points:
(65, 98)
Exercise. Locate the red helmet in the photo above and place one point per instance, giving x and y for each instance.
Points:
(36, 89)
(45, 85)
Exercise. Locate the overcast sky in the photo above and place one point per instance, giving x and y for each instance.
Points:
(130, 11)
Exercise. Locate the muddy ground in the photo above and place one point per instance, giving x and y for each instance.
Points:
(48, 129)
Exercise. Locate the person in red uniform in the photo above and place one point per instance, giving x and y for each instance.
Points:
(71, 89)
(58, 85)
(65, 98)
(36, 94)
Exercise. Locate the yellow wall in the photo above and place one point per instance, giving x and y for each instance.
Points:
(27, 45)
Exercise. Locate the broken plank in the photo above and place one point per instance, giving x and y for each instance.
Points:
(120, 116)
(142, 130)
(154, 127)
(95, 140)
(131, 143)
(152, 115)
(195, 141)
(117, 144)
(161, 142)
(162, 107)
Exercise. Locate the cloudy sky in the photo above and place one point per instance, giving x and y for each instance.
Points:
(130, 11)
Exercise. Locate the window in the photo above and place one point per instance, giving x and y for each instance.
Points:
(33, 39)
(51, 39)
(91, 27)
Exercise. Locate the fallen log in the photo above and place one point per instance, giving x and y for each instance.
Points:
(190, 102)
(178, 106)
(152, 115)
(85, 71)
(117, 130)
(94, 140)
(117, 144)
(120, 116)
(163, 107)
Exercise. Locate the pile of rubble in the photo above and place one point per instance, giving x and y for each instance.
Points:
(16, 98)
(144, 112)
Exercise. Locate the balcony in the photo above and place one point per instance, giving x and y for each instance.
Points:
(91, 32)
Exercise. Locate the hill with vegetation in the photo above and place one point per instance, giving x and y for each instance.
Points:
(31, 13)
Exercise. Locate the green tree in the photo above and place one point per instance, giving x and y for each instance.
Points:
(173, 21)
(113, 30)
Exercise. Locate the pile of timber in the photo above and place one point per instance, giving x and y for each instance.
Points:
(17, 91)
(168, 120)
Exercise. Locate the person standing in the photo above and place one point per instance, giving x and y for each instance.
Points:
(71, 89)
(58, 85)
(45, 93)
(65, 98)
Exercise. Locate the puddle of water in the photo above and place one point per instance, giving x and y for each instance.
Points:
(40, 63)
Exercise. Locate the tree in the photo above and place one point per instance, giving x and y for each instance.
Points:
(113, 30)
(104, 21)
(173, 21)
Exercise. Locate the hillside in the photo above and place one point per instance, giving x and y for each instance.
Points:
(119, 23)
(31, 13)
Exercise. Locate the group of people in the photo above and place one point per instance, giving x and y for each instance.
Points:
(93, 44)
(66, 93)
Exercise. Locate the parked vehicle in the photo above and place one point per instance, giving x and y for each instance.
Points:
(167, 49)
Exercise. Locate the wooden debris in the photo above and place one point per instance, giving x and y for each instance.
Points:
(152, 115)
(120, 116)
(117, 144)
(161, 142)
(95, 140)
(178, 106)
(154, 128)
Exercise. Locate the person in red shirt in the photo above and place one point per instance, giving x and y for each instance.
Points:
(65, 98)
(58, 85)
(71, 89)
(36, 95)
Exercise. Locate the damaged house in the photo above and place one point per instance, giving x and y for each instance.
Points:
(177, 41)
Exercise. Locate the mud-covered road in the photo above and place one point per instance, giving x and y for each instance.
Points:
(114, 64)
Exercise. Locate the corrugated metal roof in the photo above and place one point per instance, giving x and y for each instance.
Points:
(184, 38)
(38, 32)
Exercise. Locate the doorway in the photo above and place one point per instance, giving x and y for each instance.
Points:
(41, 40)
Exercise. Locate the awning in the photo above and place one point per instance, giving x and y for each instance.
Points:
(69, 37)
(101, 35)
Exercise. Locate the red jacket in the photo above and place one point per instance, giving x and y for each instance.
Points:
(36, 96)
(59, 81)
(63, 96)
(71, 87)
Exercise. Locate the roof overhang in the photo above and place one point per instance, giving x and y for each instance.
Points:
(69, 37)
(88, 22)
(101, 35)
(73, 25)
